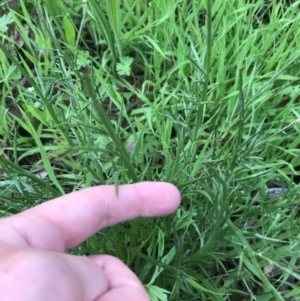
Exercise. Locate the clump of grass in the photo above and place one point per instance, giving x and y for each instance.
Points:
(205, 94)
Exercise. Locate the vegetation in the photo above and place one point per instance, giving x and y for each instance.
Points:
(203, 94)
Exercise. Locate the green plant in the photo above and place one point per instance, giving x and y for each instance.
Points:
(203, 94)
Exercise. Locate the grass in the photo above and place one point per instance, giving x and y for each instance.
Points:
(203, 94)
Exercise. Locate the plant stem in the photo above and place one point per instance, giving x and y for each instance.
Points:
(111, 131)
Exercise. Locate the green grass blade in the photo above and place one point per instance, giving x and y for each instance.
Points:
(114, 17)
(102, 24)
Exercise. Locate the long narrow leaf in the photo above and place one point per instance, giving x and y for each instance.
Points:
(102, 24)
(114, 17)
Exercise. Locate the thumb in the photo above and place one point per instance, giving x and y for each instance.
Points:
(123, 284)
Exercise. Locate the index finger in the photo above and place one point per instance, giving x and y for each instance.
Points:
(69, 220)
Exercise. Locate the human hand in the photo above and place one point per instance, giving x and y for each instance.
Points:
(33, 265)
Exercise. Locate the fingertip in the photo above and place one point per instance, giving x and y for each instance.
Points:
(160, 198)
(172, 195)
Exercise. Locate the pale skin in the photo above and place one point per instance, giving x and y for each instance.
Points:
(33, 265)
